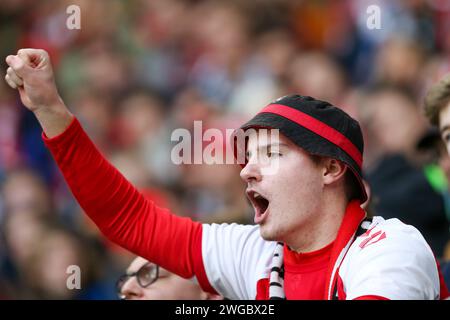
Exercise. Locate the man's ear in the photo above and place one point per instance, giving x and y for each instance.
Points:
(333, 170)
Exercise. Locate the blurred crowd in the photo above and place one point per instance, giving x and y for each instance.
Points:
(137, 70)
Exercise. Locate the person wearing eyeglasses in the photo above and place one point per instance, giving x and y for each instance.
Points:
(145, 280)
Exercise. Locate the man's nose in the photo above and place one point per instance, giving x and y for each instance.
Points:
(251, 172)
(131, 289)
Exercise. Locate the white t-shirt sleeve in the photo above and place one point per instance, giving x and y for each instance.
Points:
(393, 261)
(235, 257)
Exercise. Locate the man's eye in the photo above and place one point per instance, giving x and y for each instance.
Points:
(446, 137)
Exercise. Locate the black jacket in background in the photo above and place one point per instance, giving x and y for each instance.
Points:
(400, 190)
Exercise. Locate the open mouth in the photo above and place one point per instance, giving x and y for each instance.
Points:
(260, 205)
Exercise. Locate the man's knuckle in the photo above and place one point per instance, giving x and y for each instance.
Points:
(22, 52)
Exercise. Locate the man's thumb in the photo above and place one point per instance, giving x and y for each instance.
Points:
(17, 64)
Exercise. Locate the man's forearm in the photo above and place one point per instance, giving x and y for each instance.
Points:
(54, 120)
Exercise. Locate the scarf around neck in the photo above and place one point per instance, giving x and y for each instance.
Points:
(353, 225)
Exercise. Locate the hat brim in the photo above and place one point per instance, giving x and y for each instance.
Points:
(307, 140)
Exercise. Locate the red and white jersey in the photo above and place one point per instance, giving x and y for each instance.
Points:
(390, 260)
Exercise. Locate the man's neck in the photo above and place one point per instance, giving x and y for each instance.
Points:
(321, 230)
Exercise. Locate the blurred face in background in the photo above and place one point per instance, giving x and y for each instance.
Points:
(444, 126)
(225, 20)
(47, 268)
(140, 117)
(277, 48)
(398, 62)
(95, 112)
(393, 124)
(22, 228)
(24, 190)
(146, 281)
(311, 72)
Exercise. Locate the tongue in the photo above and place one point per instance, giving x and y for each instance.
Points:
(259, 217)
(262, 206)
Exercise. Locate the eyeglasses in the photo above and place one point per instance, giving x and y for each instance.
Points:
(145, 276)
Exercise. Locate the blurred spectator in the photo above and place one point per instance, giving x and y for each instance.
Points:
(9, 131)
(436, 105)
(206, 197)
(437, 172)
(146, 281)
(399, 184)
(46, 270)
(276, 48)
(227, 73)
(96, 113)
(310, 73)
(399, 63)
(21, 229)
(24, 190)
(161, 33)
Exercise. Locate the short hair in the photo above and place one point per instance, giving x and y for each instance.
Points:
(437, 99)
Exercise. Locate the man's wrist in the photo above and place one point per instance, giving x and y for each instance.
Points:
(56, 106)
(54, 119)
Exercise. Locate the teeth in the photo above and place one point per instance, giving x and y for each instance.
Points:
(257, 195)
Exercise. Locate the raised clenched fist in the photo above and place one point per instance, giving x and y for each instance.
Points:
(30, 72)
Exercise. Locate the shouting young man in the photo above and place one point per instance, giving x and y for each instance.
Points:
(311, 239)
